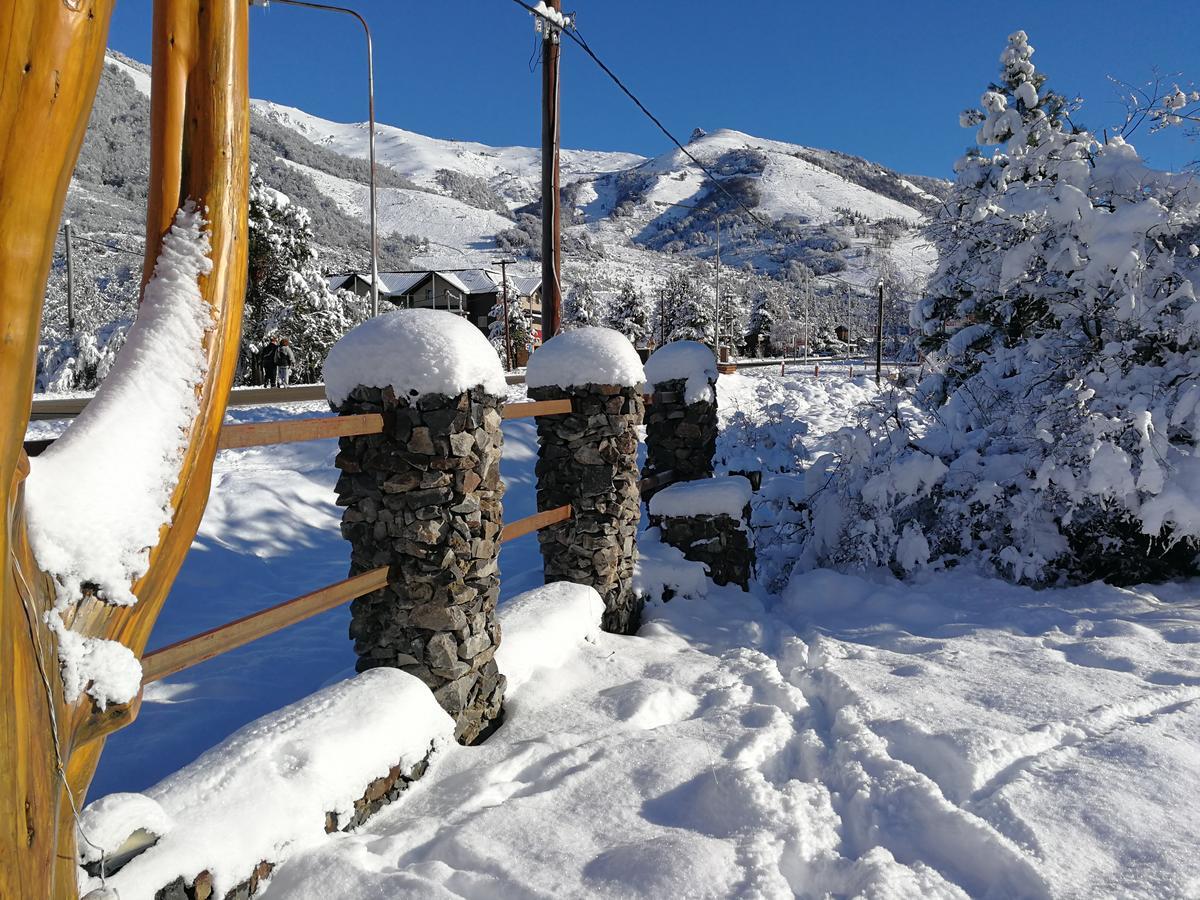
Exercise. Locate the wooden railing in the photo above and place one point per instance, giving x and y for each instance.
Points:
(194, 650)
(191, 651)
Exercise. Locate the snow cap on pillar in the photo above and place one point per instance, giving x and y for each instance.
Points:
(414, 352)
(584, 356)
(689, 361)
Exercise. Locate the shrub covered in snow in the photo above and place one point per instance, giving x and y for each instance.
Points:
(1057, 436)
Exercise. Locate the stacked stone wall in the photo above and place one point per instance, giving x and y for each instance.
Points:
(424, 498)
(681, 437)
(588, 459)
(720, 542)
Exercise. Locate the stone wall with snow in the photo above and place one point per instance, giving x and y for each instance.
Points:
(424, 498)
(587, 459)
(706, 520)
(681, 420)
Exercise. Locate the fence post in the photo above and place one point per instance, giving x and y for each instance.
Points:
(424, 498)
(588, 459)
(681, 422)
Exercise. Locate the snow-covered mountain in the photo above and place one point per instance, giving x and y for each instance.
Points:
(622, 202)
(456, 204)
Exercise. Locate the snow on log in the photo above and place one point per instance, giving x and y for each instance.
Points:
(263, 793)
(688, 361)
(415, 352)
(98, 497)
(543, 628)
(585, 356)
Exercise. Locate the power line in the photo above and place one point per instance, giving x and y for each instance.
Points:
(572, 31)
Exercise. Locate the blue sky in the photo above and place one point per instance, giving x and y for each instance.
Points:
(883, 80)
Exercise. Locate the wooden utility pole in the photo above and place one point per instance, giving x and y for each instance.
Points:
(662, 315)
(70, 279)
(508, 354)
(879, 339)
(551, 262)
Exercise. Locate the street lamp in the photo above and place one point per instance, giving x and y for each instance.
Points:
(370, 127)
(717, 300)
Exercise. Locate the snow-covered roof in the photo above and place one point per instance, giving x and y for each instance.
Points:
(469, 281)
(400, 282)
(336, 282)
(526, 286)
(479, 281)
(585, 356)
(429, 351)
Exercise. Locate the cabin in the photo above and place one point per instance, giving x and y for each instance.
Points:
(471, 293)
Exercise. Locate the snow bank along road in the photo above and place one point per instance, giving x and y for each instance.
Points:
(844, 735)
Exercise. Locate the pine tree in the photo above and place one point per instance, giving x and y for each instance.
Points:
(286, 293)
(968, 306)
(689, 316)
(1059, 432)
(580, 307)
(520, 325)
(630, 315)
(761, 323)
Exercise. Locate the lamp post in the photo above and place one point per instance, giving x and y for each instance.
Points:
(370, 129)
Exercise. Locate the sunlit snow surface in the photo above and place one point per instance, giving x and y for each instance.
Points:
(846, 735)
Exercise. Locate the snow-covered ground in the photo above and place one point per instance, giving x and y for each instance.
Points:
(844, 735)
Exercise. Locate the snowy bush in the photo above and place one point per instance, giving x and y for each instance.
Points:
(1058, 435)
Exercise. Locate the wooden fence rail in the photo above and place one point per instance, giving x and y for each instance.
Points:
(191, 651)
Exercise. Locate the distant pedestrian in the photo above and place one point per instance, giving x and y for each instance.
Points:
(267, 359)
(285, 358)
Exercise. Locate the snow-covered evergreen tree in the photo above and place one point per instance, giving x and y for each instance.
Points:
(630, 315)
(581, 307)
(286, 293)
(761, 322)
(1058, 438)
(520, 325)
(689, 315)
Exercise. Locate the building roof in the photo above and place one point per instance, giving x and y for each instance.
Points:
(469, 281)
(526, 286)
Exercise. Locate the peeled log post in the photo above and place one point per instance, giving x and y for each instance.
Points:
(199, 95)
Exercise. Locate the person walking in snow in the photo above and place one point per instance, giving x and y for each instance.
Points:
(267, 360)
(285, 358)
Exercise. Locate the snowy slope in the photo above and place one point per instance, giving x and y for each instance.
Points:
(431, 217)
(514, 170)
(789, 185)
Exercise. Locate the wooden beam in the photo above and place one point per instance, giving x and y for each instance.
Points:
(258, 434)
(657, 480)
(206, 645)
(536, 522)
(531, 408)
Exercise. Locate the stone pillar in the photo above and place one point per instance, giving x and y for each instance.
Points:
(707, 521)
(681, 420)
(588, 459)
(424, 499)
